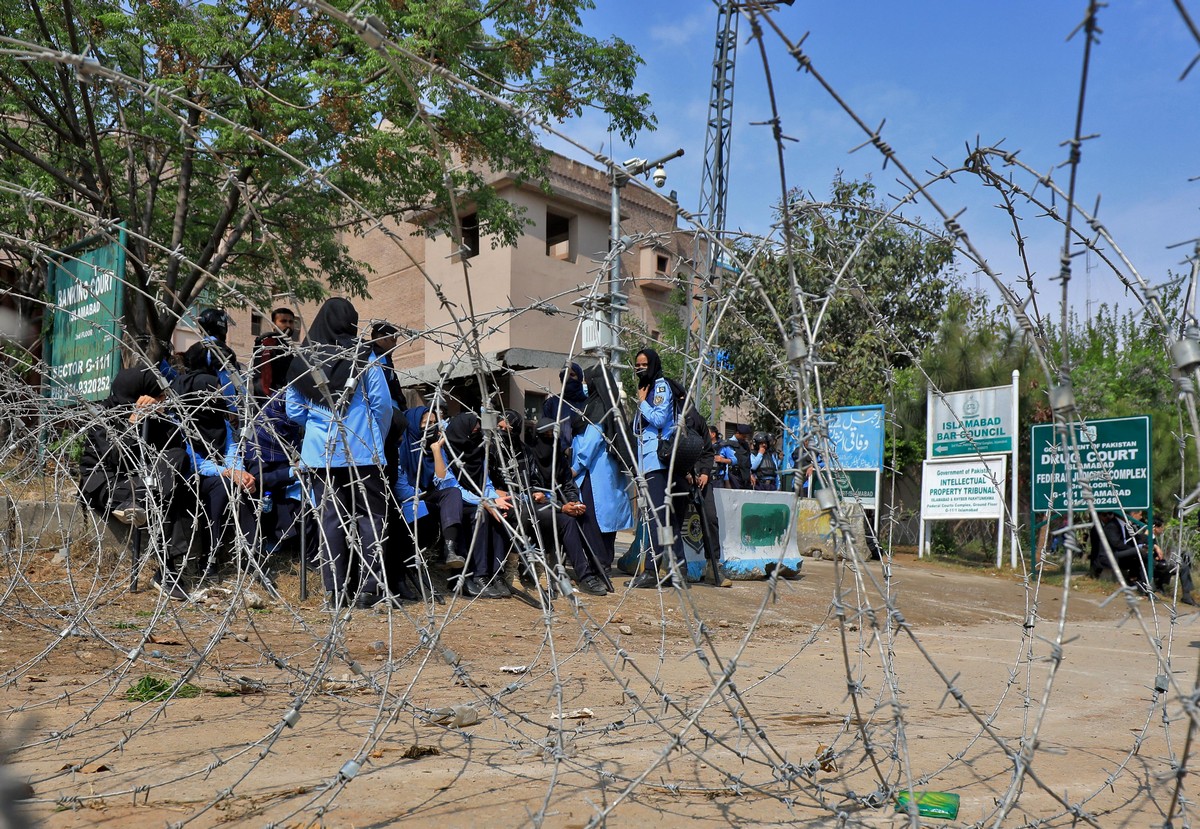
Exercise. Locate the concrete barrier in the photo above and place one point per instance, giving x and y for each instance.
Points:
(759, 531)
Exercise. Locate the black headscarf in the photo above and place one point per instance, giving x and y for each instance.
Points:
(544, 447)
(654, 372)
(210, 355)
(506, 474)
(412, 446)
(603, 410)
(573, 391)
(331, 347)
(653, 368)
(203, 410)
(132, 383)
(467, 451)
(516, 427)
(570, 406)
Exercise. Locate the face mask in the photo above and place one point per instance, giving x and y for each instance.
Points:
(641, 372)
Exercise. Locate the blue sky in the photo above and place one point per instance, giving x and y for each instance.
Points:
(943, 74)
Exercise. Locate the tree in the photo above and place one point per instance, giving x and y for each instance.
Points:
(1120, 368)
(877, 316)
(238, 140)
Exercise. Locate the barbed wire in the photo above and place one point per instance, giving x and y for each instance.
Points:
(696, 717)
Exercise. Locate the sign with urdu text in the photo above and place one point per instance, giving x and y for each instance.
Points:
(855, 436)
(975, 422)
(1113, 459)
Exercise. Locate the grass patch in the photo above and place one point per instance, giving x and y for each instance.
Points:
(145, 614)
(125, 626)
(150, 688)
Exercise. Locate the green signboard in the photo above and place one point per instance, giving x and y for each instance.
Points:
(87, 289)
(1113, 458)
(859, 485)
(975, 422)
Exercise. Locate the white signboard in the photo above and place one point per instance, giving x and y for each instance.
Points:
(975, 422)
(963, 489)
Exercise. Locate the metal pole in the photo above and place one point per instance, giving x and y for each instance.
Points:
(1016, 453)
(301, 512)
(612, 335)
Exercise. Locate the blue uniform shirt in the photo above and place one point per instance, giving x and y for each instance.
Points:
(655, 422)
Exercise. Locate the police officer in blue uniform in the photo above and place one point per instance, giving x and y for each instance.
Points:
(655, 421)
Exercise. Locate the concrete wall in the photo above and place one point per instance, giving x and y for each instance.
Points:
(512, 277)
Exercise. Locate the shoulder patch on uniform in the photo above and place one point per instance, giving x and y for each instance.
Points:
(659, 397)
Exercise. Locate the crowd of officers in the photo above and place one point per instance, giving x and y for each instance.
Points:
(316, 443)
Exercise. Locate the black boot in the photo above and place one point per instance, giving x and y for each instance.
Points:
(453, 560)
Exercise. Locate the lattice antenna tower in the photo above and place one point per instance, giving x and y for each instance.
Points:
(714, 182)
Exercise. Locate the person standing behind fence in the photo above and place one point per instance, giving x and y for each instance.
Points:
(764, 465)
(568, 409)
(340, 397)
(655, 421)
(272, 353)
(722, 458)
(601, 453)
(740, 476)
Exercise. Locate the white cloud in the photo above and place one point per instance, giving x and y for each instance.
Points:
(684, 31)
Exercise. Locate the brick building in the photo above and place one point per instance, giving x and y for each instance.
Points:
(556, 262)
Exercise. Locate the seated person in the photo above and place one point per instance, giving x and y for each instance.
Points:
(558, 508)
(219, 481)
(443, 504)
(131, 452)
(269, 456)
(1122, 540)
(484, 509)
(407, 580)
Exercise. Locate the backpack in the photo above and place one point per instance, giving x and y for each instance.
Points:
(686, 445)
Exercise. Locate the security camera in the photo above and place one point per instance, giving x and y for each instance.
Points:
(660, 176)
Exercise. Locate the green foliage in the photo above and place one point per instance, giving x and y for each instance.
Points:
(1117, 361)
(886, 281)
(975, 346)
(256, 133)
(1119, 367)
(151, 688)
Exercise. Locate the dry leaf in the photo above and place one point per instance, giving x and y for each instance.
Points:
(414, 752)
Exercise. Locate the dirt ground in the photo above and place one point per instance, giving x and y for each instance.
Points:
(660, 745)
